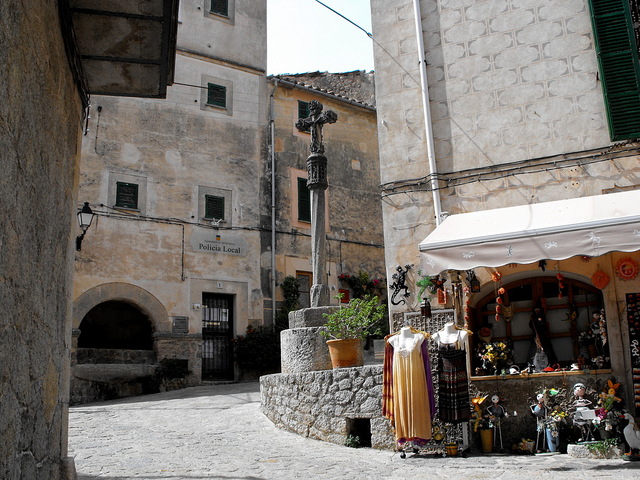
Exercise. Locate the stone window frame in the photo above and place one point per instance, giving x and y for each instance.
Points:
(229, 18)
(227, 195)
(204, 95)
(115, 178)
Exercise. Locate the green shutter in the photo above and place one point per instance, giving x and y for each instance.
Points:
(214, 207)
(304, 201)
(216, 95)
(303, 111)
(220, 7)
(126, 195)
(619, 67)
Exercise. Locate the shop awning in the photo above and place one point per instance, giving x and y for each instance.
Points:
(555, 230)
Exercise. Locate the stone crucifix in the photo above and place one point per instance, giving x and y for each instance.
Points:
(317, 184)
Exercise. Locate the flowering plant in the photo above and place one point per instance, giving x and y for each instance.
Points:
(361, 284)
(609, 411)
(494, 354)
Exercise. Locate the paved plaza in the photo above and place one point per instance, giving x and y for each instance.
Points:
(219, 432)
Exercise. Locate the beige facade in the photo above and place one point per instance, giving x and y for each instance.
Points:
(517, 117)
(179, 261)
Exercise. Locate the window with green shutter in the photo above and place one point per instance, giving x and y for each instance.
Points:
(617, 54)
(216, 95)
(220, 7)
(126, 195)
(214, 207)
(304, 201)
(303, 111)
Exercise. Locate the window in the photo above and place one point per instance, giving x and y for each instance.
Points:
(304, 201)
(216, 95)
(568, 309)
(126, 195)
(303, 112)
(617, 52)
(305, 281)
(215, 204)
(220, 7)
(213, 207)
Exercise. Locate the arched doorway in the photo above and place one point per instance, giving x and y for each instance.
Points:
(567, 305)
(116, 325)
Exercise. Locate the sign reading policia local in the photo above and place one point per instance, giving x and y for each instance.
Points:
(219, 242)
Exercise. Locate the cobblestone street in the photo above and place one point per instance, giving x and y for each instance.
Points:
(219, 432)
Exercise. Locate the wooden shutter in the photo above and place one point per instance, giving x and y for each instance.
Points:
(221, 7)
(303, 112)
(214, 207)
(126, 195)
(217, 95)
(619, 67)
(304, 201)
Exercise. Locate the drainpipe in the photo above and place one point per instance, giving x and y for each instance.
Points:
(424, 86)
(272, 132)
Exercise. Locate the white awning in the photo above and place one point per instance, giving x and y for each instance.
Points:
(556, 230)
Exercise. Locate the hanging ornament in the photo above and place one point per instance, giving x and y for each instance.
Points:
(585, 258)
(600, 279)
(442, 296)
(626, 269)
(560, 278)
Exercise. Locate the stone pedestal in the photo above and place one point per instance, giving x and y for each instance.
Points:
(302, 348)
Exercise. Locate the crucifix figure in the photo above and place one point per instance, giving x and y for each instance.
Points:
(314, 122)
(317, 184)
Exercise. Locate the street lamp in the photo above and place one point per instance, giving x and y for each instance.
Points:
(85, 217)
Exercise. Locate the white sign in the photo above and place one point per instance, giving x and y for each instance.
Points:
(219, 242)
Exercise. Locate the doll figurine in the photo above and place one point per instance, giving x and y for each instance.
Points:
(496, 413)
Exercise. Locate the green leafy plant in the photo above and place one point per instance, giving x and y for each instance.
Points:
(603, 448)
(355, 320)
(352, 441)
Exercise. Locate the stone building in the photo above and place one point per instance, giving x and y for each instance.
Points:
(522, 171)
(50, 63)
(180, 259)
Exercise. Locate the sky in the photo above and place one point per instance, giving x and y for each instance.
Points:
(304, 36)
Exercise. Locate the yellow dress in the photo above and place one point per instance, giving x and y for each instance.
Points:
(411, 404)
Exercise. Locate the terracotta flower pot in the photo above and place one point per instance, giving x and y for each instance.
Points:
(346, 353)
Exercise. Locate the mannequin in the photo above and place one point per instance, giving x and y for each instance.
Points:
(453, 406)
(407, 390)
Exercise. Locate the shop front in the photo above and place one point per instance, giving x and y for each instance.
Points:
(550, 292)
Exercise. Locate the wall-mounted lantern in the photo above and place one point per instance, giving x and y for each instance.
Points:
(85, 217)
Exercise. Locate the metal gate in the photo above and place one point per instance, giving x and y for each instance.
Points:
(217, 336)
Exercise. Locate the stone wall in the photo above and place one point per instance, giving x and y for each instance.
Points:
(40, 127)
(324, 404)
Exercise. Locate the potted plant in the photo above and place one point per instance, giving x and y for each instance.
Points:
(348, 326)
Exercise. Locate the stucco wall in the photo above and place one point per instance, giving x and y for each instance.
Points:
(40, 120)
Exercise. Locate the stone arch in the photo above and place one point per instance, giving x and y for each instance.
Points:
(140, 298)
(116, 324)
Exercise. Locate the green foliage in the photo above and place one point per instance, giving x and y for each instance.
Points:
(361, 284)
(358, 319)
(352, 441)
(172, 368)
(603, 447)
(259, 349)
(290, 291)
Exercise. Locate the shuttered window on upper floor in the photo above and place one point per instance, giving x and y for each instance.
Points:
(214, 207)
(303, 112)
(216, 95)
(220, 7)
(617, 53)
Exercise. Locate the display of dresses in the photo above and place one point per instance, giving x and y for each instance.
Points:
(453, 382)
(407, 396)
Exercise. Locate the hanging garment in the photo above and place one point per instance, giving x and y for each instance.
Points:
(407, 392)
(453, 384)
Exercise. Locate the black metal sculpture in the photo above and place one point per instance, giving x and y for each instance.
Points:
(398, 285)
